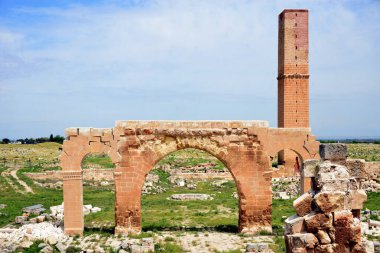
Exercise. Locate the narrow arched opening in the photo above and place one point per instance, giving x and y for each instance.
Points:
(190, 189)
(286, 185)
(98, 193)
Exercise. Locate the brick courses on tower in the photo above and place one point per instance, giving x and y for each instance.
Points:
(293, 69)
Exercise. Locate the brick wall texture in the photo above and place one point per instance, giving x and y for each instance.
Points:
(293, 69)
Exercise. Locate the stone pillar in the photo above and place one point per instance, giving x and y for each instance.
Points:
(253, 180)
(73, 202)
(129, 179)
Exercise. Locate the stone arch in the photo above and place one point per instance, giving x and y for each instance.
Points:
(79, 143)
(135, 146)
(246, 162)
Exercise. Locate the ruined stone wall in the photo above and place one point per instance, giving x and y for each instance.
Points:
(373, 169)
(88, 174)
(328, 216)
(136, 146)
(203, 176)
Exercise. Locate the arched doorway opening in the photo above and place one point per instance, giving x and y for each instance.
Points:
(98, 192)
(286, 185)
(190, 189)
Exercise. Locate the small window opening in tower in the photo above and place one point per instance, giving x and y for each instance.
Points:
(296, 47)
(295, 24)
(295, 57)
(296, 35)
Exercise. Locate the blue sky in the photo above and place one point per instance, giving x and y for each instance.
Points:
(90, 63)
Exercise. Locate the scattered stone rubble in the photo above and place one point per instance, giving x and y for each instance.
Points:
(191, 196)
(56, 213)
(12, 239)
(328, 216)
(285, 187)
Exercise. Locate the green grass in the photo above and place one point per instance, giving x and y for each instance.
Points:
(168, 247)
(102, 160)
(368, 151)
(191, 214)
(373, 200)
(190, 157)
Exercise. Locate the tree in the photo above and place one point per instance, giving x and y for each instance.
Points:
(51, 138)
(6, 141)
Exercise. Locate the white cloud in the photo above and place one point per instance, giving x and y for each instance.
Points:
(220, 54)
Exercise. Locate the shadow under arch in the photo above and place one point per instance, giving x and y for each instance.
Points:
(228, 200)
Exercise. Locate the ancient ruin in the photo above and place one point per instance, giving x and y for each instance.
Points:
(244, 147)
(328, 216)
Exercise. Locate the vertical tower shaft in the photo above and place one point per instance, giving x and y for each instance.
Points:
(293, 69)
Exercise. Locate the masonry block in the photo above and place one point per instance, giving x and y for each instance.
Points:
(303, 204)
(356, 168)
(310, 168)
(333, 151)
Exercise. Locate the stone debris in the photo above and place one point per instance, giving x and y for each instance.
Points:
(326, 219)
(150, 185)
(285, 187)
(257, 247)
(35, 209)
(191, 196)
(26, 234)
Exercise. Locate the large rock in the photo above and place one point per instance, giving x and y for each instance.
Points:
(327, 248)
(310, 168)
(332, 177)
(301, 240)
(330, 201)
(356, 168)
(333, 151)
(343, 218)
(20, 219)
(323, 237)
(303, 204)
(294, 224)
(318, 221)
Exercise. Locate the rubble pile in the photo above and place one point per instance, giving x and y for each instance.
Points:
(285, 187)
(328, 216)
(151, 185)
(191, 196)
(36, 214)
(24, 236)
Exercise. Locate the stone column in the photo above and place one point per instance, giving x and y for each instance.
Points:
(73, 202)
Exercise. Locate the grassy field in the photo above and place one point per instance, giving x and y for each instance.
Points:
(368, 151)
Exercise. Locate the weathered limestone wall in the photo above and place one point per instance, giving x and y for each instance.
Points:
(328, 216)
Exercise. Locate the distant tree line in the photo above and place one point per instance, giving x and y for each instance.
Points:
(351, 141)
(52, 138)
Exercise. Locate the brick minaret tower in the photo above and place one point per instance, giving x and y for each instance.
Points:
(293, 69)
(293, 78)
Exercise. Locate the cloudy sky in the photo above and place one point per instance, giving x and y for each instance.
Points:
(89, 63)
